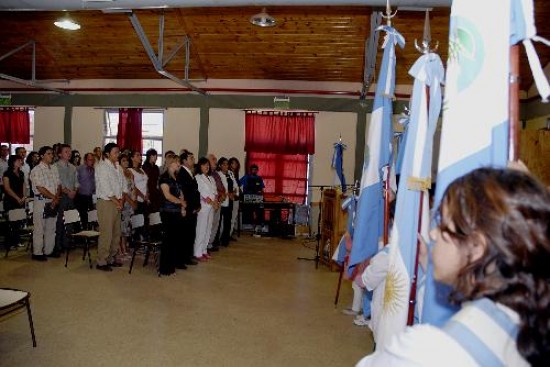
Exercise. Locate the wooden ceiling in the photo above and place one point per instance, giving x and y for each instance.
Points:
(309, 43)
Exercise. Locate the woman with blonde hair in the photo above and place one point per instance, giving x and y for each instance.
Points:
(172, 210)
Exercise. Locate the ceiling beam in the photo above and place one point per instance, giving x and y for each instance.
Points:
(157, 60)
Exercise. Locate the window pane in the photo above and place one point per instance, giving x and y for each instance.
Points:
(111, 123)
(152, 124)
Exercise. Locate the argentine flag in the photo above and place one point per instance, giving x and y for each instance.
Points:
(338, 165)
(412, 208)
(370, 215)
(475, 118)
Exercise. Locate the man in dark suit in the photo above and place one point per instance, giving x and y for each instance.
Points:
(188, 184)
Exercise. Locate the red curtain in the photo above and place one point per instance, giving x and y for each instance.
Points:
(129, 129)
(280, 132)
(279, 143)
(15, 125)
(284, 175)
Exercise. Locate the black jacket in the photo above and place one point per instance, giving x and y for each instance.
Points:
(190, 189)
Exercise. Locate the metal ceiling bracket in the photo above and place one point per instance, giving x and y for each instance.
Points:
(371, 50)
(31, 83)
(157, 60)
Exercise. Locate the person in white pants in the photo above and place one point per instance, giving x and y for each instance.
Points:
(207, 190)
(46, 186)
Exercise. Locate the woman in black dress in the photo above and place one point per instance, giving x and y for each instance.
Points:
(14, 197)
(153, 172)
(172, 210)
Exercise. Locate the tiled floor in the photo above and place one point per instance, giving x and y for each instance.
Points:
(254, 304)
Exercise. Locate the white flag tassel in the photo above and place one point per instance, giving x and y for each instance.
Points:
(524, 18)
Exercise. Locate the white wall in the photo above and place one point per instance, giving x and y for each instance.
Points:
(181, 129)
(226, 134)
(87, 129)
(48, 126)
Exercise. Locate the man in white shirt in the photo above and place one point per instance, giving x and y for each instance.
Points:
(46, 186)
(110, 185)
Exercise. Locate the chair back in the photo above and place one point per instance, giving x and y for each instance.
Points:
(154, 219)
(17, 215)
(71, 216)
(30, 206)
(137, 221)
(92, 216)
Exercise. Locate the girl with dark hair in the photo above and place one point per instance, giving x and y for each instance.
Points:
(129, 206)
(75, 158)
(208, 191)
(14, 197)
(224, 227)
(140, 181)
(492, 245)
(234, 168)
(153, 172)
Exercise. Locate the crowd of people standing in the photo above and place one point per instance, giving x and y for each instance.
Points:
(197, 200)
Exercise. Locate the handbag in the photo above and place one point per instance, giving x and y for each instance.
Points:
(50, 211)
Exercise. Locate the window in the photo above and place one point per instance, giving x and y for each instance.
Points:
(28, 147)
(284, 175)
(152, 130)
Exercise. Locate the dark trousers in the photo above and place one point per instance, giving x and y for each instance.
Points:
(83, 203)
(171, 225)
(224, 230)
(65, 203)
(187, 239)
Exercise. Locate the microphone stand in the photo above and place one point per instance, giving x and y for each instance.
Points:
(318, 235)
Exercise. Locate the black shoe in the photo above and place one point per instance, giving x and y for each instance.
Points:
(233, 239)
(214, 249)
(191, 262)
(39, 257)
(54, 254)
(115, 265)
(182, 266)
(105, 267)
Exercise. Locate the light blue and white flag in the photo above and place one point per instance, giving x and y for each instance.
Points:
(370, 217)
(475, 119)
(412, 208)
(338, 165)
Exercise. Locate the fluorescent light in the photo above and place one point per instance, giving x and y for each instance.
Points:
(68, 24)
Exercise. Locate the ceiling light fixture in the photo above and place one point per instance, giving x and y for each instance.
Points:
(263, 19)
(67, 23)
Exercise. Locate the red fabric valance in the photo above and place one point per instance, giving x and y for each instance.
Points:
(280, 132)
(15, 127)
(129, 129)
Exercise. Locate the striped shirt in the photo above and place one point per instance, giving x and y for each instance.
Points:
(481, 334)
(45, 176)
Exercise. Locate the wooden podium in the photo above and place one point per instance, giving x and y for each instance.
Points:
(333, 225)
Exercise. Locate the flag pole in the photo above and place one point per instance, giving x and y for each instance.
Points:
(387, 206)
(513, 105)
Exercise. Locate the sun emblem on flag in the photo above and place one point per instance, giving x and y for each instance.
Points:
(466, 51)
(395, 292)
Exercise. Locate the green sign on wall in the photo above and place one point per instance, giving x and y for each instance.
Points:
(5, 100)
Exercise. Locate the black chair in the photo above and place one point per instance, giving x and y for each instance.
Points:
(148, 240)
(13, 300)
